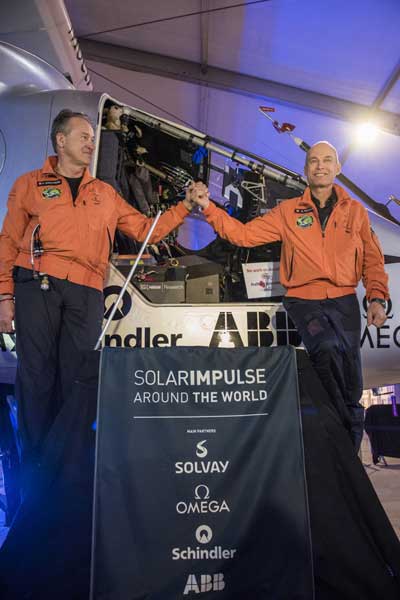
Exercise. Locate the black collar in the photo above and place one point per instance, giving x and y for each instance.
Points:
(329, 203)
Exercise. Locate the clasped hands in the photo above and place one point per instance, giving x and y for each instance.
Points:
(197, 194)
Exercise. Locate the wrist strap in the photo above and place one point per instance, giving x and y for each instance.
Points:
(380, 301)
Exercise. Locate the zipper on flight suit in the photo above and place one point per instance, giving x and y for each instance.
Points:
(325, 221)
(323, 225)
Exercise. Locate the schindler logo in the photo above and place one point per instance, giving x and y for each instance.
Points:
(111, 294)
(214, 553)
(199, 584)
(204, 535)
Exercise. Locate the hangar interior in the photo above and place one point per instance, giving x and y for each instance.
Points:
(209, 66)
(325, 72)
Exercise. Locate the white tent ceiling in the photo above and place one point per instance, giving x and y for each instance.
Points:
(212, 63)
(324, 66)
(344, 49)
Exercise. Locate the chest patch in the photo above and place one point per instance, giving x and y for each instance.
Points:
(305, 221)
(52, 182)
(50, 193)
(303, 210)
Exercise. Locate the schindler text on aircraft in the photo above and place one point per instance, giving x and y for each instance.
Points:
(231, 382)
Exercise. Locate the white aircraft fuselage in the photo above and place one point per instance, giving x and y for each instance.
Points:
(31, 94)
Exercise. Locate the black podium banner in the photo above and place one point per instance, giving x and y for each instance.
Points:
(200, 488)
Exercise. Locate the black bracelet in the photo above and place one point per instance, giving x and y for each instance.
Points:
(380, 301)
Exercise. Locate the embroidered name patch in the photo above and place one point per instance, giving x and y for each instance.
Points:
(52, 182)
(305, 221)
(303, 210)
(51, 193)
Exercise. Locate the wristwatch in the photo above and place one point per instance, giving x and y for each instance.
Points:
(381, 301)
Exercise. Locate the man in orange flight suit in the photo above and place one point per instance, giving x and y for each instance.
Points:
(78, 215)
(327, 247)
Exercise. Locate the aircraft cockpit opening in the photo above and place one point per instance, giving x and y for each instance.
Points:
(151, 162)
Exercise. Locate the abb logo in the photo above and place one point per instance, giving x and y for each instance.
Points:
(262, 330)
(198, 584)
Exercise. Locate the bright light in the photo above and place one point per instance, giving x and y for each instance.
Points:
(225, 340)
(366, 133)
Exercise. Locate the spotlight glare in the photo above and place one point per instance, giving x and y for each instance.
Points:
(366, 133)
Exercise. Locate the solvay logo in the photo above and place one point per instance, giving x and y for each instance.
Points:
(199, 584)
(199, 466)
(201, 451)
(204, 534)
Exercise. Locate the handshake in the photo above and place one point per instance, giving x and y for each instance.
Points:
(197, 194)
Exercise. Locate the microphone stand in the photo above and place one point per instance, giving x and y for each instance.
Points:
(128, 279)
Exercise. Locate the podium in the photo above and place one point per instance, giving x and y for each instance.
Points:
(200, 485)
(356, 553)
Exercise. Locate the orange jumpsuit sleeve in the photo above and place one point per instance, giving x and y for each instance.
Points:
(136, 225)
(374, 276)
(261, 230)
(14, 226)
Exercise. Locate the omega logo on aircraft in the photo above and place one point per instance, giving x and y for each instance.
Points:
(384, 336)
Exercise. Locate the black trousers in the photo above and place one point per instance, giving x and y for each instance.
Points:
(330, 330)
(53, 327)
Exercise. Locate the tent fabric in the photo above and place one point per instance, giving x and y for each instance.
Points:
(346, 50)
